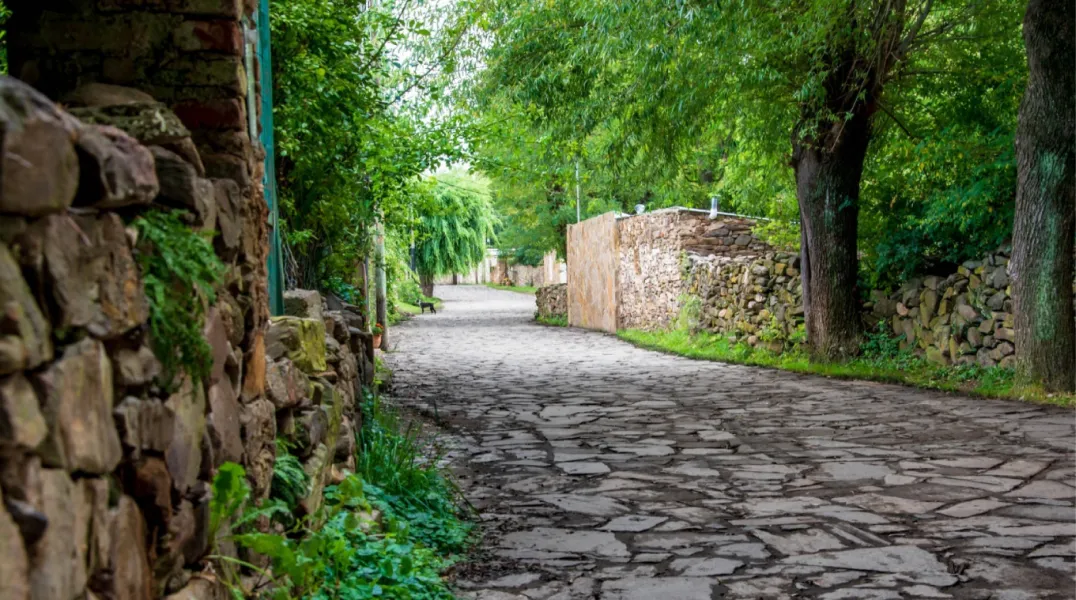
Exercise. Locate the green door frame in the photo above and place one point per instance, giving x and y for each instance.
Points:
(265, 66)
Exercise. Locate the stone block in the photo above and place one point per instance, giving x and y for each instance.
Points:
(180, 185)
(22, 425)
(228, 166)
(259, 429)
(131, 576)
(286, 384)
(212, 114)
(59, 567)
(39, 170)
(14, 564)
(184, 453)
(114, 169)
(223, 423)
(254, 374)
(305, 304)
(90, 274)
(209, 36)
(150, 484)
(151, 123)
(229, 218)
(144, 424)
(135, 367)
(221, 71)
(78, 408)
(300, 340)
(216, 335)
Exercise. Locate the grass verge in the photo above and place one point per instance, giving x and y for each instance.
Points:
(405, 310)
(554, 321)
(881, 361)
(522, 289)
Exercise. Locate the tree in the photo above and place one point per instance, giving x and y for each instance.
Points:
(455, 228)
(722, 86)
(1045, 225)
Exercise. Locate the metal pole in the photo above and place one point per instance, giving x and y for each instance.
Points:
(379, 276)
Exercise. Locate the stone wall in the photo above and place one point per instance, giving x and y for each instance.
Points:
(187, 54)
(652, 248)
(105, 475)
(757, 299)
(965, 317)
(552, 300)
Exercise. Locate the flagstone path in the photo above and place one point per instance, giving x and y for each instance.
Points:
(607, 471)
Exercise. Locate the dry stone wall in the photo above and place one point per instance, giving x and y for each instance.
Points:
(104, 472)
(653, 247)
(552, 300)
(963, 318)
(757, 299)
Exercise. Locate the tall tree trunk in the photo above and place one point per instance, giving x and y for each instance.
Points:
(426, 283)
(828, 173)
(1045, 223)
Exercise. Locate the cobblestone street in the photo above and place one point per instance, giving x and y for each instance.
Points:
(607, 471)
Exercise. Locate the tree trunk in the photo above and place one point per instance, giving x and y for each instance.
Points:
(1045, 222)
(426, 283)
(828, 173)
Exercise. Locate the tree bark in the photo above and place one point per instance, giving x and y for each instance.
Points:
(1045, 223)
(827, 189)
(426, 283)
(829, 166)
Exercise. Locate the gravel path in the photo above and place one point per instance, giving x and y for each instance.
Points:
(607, 471)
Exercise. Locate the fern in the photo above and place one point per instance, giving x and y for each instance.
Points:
(179, 272)
(290, 481)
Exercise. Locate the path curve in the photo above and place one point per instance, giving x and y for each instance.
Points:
(607, 471)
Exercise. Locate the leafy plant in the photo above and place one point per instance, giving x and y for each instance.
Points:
(403, 480)
(179, 273)
(348, 555)
(690, 315)
(290, 482)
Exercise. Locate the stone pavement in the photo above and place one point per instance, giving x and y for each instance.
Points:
(607, 471)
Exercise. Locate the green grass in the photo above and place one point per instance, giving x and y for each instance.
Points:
(404, 310)
(522, 289)
(881, 361)
(554, 321)
(399, 469)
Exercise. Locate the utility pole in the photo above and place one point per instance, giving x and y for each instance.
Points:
(379, 277)
(578, 190)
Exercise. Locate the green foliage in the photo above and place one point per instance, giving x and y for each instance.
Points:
(402, 479)
(456, 227)
(179, 273)
(290, 482)
(340, 554)
(5, 13)
(353, 87)
(690, 315)
(673, 103)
